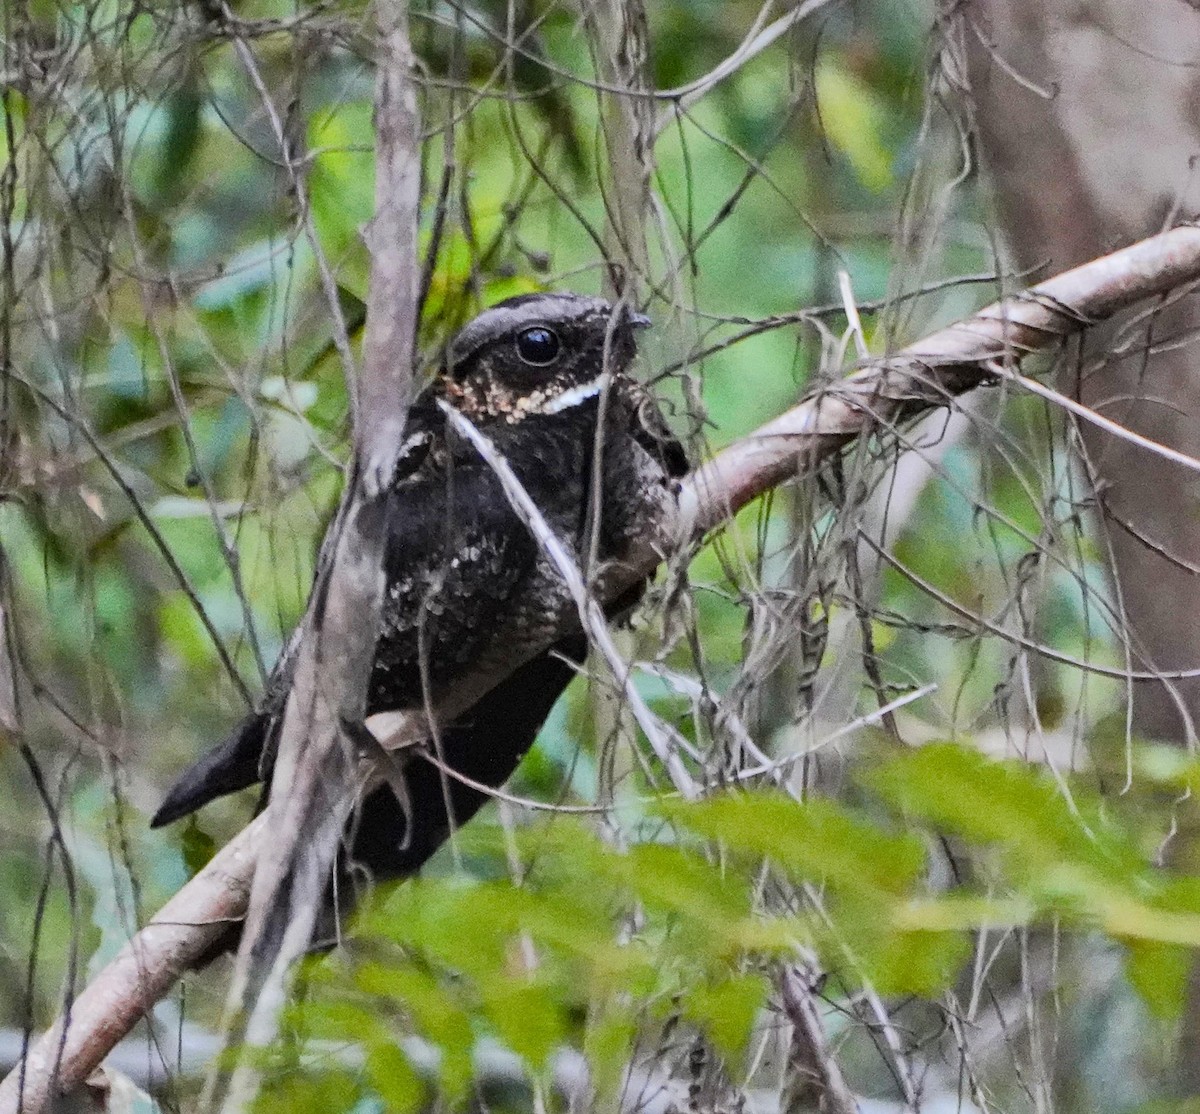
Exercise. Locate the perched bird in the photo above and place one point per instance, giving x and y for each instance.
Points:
(469, 594)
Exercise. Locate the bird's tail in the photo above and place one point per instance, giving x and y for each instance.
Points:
(233, 765)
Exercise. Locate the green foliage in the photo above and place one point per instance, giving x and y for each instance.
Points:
(593, 945)
(181, 414)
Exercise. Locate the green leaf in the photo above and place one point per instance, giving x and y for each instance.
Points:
(1118, 912)
(816, 840)
(892, 947)
(197, 846)
(610, 1034)
(1159, 973)
(393, 1078)
(332, 1019)
(726, 1010)
(305, 1093)
(462, 924)
(1022, 810)
(562, 920)
(922, 963)
(674, 879)
(962, 912)
(528, 1018)
(435, 1014)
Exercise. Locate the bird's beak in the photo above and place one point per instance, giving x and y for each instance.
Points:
(639, 321)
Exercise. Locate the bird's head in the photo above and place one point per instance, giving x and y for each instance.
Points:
(538, 354)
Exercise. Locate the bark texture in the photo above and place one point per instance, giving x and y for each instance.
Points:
(1087, 124)
(1087, 120)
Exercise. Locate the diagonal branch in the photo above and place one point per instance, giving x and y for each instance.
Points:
(813, 1077)
(884, 392)
(591, 617)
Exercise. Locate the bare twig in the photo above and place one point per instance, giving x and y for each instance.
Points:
(757, 39)
(925, 375)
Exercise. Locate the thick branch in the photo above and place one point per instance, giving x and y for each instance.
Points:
(312, 786)
(184, 930)
(931, 371)
(920, 377)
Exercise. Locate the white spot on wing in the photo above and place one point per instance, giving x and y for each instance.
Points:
(412, 442)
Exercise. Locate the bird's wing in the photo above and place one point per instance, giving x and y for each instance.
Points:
(456, 559)
(424, 426)
(650, 430)
(393, 839)
(454, 556)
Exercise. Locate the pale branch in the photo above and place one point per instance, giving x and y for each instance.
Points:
(928, 373)
(887, 391)
(814, 1080)
(591, 617)
(392, 298)
(179, 936)
(618, 33)
(313, 783)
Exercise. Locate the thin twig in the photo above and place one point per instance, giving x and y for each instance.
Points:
(591, 616)
(815, 1078)
(918, 378)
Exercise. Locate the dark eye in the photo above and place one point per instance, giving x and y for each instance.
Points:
(538, 345)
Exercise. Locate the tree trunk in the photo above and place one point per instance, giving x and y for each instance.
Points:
(1087, 118)
(1086, 121)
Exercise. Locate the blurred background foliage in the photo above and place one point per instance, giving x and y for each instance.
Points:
(184, 191)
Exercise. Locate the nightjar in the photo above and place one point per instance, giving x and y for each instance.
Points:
(469, 593)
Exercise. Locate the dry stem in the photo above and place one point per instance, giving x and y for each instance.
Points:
(927, 374)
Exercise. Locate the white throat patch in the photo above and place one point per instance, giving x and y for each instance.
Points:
(573, 396)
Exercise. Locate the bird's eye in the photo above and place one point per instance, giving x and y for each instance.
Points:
(538, 345)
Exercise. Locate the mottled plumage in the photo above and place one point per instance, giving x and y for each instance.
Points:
(469, 595)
